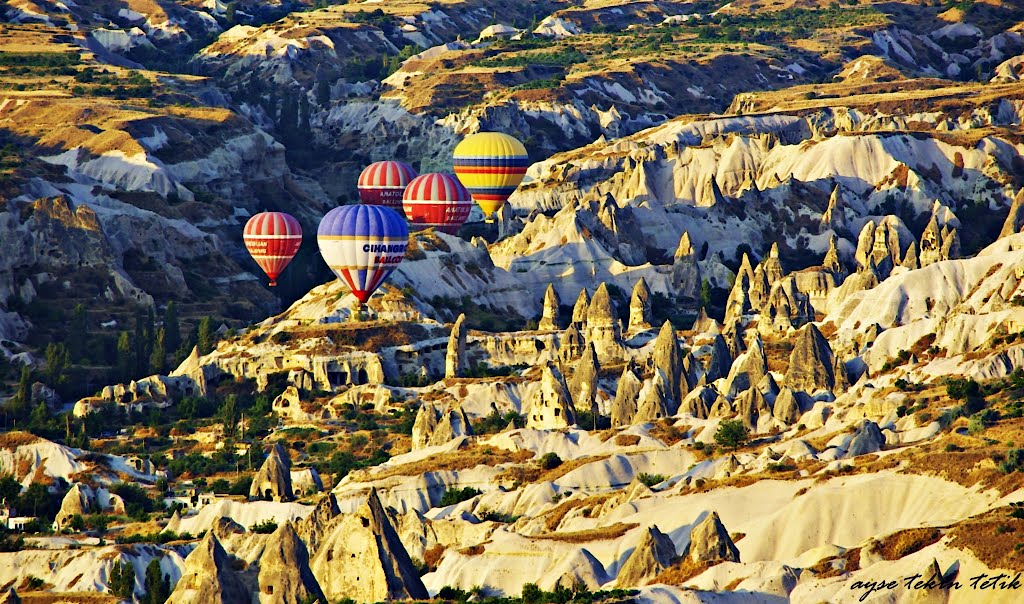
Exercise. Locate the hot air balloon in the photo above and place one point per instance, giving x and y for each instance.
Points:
(272, 238)
(362, 244)
(436, 200)
(491, 165)
(382, 183)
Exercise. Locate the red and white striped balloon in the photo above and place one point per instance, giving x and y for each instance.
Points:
(273, 239)
(436, 200)
(382, 183)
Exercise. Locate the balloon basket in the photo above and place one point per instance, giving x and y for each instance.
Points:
(272, 284)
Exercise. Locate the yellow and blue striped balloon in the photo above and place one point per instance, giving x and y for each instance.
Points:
(491, 165)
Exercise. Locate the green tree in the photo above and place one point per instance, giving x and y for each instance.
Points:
(57, 361)
(705, 294)
(18, 406)
(172, 330)
(228, 414)
(158, 585)
(10, 488)
(732, 433)
(204, 335)
(158, 358)
(78, 333)
(125, 356)
(323, 92)
(139, 355)
(122, 580)
(40, 418)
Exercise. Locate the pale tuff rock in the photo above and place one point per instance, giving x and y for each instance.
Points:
(667, 358)
(787, 307)
(363, 558)
(571, 345)
(579, 310)
(455, 357)
(224, 528)
(698, 403)
(751, 406)
(757, 293)
(423, 427)
(704, 324)
(640, 307)
(653, 554)
(313, 528)
(627, 393)
(10, 597)
(711, 195)
(583, 386)
(768, 386)
(454, 424)
(910, 260)
(550, 407)
(603, 329)
(78, 501)
(867, 438)
(940, 240)
(710, 542)
(686, 277)
(738, 303)
(811, 362)
(274, 480)
(720, 360)
(692, 373)
(834, 217)
(1015, 219)
(208, 577)
(653, 397)
(288, 405)
(549, 312)
(772, 265)
(733, 335)
(842, 377)
(884, 242)
(832, 261)
(787, 407)
(722, 407)
(284, 575)
(748, 369)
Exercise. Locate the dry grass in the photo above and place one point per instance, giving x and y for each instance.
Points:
(464, 459)
(13, 440)
(903, 543)
(995, 538)
(47, 597)
(534, 473)
(627, 440)
(604, 533)
(681, 571)
(666, 432)
(825, 568)
(474, 550)
(432, 556)
(555, 516)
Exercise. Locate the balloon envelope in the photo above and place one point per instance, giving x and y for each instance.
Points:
(436, 200)
(491, 165)
(273, 239)
(362, 244)
(382, 183)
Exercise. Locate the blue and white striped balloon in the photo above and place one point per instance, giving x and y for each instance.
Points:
(363, 244)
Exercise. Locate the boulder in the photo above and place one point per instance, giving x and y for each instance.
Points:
(423, 427)
(580, 309)
(362, 558)
(652, 555)
(284, 574)
(787, 408)
(455, 357)
(454, 424)
(748, 369)
(654, 404)
(78, 501)
(720, 361)
(867, 438)
(704, 324)
(274, 479)
(710, 542)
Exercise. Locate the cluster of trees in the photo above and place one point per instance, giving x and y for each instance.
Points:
(36, 500)
(156, 585)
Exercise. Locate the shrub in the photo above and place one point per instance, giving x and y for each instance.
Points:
(454, 496)
(651, 479)
(732, 433)
(550, 461)
(264, 528)
(1014, 461)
